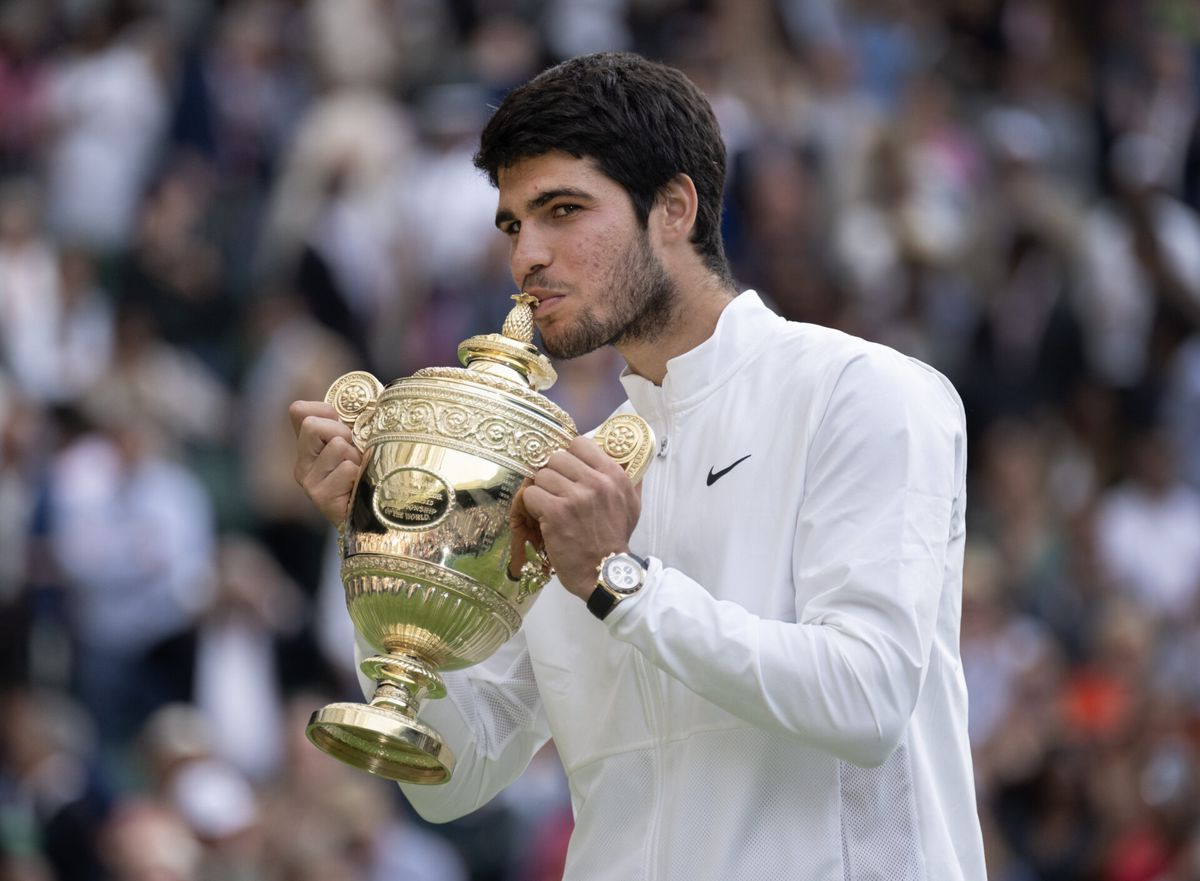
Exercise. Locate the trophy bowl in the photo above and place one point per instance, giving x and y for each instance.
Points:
(427, 543)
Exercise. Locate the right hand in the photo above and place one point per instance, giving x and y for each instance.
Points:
(327, 461)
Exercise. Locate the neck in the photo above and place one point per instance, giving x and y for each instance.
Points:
(699, 303)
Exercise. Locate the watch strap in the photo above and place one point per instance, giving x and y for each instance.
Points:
(601, 602)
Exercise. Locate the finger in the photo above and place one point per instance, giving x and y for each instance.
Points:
(335, 454)
(568, 465)
(553, 482)
(331, 495)
(525, 530)
(539, 503)
(301, 410)
(338, 482)
(518, 515)
(317, 432)
(588, 452)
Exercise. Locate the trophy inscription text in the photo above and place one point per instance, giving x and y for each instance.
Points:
(413, 498)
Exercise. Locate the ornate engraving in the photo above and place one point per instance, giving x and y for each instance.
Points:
(454, 421)
(493, 433)
(620, 442)
(534, 575)
(529, 396)
(414, 416)
(433, 413)
(628, 440)
(428, 579)
(353, 394)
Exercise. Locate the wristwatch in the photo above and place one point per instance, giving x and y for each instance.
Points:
(618, 577)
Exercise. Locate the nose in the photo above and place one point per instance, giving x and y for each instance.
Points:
(530, 254)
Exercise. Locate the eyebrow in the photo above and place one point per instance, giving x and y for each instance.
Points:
(504, 215)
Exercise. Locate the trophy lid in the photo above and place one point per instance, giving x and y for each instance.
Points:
(511, 351)
(508, 363)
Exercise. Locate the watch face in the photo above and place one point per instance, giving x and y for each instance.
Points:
(623, 574)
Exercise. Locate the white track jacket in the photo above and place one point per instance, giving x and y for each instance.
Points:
(784, 699)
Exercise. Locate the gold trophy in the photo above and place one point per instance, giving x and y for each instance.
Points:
(427, 543)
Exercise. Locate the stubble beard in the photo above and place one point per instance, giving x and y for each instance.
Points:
(643, 303)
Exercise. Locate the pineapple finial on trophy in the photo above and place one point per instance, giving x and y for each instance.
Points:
(511, 353)
(519, 323)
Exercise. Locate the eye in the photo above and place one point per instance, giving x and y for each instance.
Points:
(511, 228)
(563, 210)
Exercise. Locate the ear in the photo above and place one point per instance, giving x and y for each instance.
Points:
(675, 209)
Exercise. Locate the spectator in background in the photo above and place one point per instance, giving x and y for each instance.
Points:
(1181, 407)
(251, 91)
(28, 289)
(173, 271)
(1140, 256)
(132, 533)
(333, 229)
(50, 792)
(172, 389)
(290, 353)
(106, 108)
(237, 683)
(1147, 530)
(221, 810)
(325, 820)
(56, 323)
(23, 74)
(145, 840)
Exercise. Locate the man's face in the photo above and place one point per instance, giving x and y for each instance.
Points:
(576, 245)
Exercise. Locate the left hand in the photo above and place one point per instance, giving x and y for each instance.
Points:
(587, 507)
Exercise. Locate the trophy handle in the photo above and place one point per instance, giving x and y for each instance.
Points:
(354, 396)
(628, 439)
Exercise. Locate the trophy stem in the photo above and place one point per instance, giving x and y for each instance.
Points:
(410, 674)
(384, 737)
(400, 698)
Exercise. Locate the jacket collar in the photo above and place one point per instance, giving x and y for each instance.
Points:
(743, 323)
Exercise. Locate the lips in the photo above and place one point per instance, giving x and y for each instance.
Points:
(546, 305)
(546, 301)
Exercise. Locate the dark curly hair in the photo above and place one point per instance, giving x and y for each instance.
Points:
(641, 122)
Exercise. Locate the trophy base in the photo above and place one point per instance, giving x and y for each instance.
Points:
(381, 741)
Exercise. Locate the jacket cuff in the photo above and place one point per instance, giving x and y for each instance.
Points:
(626, 607)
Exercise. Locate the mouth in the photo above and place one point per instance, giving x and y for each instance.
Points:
(546, 301)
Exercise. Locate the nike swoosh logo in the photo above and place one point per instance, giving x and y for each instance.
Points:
(714, 476)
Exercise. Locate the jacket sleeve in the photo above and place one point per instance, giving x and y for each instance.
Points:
(882, 500)
(493, 722)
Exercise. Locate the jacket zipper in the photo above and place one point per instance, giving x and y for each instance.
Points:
(648, 674)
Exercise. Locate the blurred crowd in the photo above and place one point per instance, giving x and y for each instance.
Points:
(210, 208)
